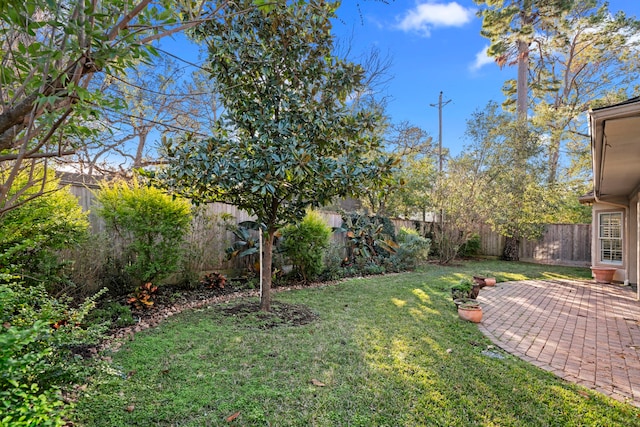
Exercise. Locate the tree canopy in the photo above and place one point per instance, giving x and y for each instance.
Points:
(288, 138)
(50, 53)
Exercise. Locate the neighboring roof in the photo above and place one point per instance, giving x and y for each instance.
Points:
(615, 149)
(587, 199)
(90, 181)
(628, 101)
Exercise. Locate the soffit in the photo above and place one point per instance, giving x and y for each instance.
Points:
(620, 173)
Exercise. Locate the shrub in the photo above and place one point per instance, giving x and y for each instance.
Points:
(304, 244)
(471, 247)
(33, 232)
(413, 249)
(111, 315)
(25, 403)
(214, 280)
(246, 244)
(151, 225)
(333, 259)
(37, 336)
(465, 289)
(368, 238)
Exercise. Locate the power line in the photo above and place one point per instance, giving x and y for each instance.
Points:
(155, 92)
(184, 60)
(155, 122)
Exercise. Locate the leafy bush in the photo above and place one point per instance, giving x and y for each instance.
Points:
(465, 289)
(33, 232)
(37, 336)
(333, 260)
(368, 238)
(24, 403)
(413, 249)
(214, 280)
(111, 315)
(304, 244)
(373, 269)
(151, 225)
(246, 244)
(141, 298)
(471, 247)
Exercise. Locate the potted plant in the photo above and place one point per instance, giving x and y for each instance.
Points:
(470, 311)
(484, 281)
(465, 289)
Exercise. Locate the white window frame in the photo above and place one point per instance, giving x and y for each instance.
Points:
(611, 235)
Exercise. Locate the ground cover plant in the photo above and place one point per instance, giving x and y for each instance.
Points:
(383, 350)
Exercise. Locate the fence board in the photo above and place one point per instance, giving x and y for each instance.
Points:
(561, 244)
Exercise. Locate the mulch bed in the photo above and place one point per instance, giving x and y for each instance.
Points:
(169, 302)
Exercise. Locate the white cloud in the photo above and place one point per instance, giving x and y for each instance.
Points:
(426, 16)
(482, 59)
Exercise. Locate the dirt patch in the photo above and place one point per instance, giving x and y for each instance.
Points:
(169, 303)
(281, 314)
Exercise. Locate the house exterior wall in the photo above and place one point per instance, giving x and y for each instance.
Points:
(633, 240)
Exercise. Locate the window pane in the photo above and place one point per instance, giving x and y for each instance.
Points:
(610, 237)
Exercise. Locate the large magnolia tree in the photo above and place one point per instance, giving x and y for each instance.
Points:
(288, 138)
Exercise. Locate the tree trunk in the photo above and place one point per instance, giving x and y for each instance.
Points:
(142, 141)
(522, 87)
(554, 159)
(511, 250)
(267, 246)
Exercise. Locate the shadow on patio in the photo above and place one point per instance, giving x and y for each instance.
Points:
(585, 332)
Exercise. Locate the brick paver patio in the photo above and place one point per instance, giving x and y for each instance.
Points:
(584, 332)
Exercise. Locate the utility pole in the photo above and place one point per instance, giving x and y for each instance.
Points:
(440, 104)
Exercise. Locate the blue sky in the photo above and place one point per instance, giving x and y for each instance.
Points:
(434, 45)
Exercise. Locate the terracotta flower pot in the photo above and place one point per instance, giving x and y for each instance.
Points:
(603, 274)
(484, 281)
(470, 313)
(490, 281)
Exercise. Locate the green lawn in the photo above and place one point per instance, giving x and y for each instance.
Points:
(385, 351)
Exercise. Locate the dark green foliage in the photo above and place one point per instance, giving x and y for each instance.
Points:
(288, 138)
(413, 250)
(465, 289)
(31, 234)
(112, 315)
(366, 238)
(151, 226)
(333, 260)
(471, 247)
(304, 244)
(37, 336)
(369, 250)
(247, 240)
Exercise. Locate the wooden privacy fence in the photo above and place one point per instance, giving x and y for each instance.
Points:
(561, 244)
